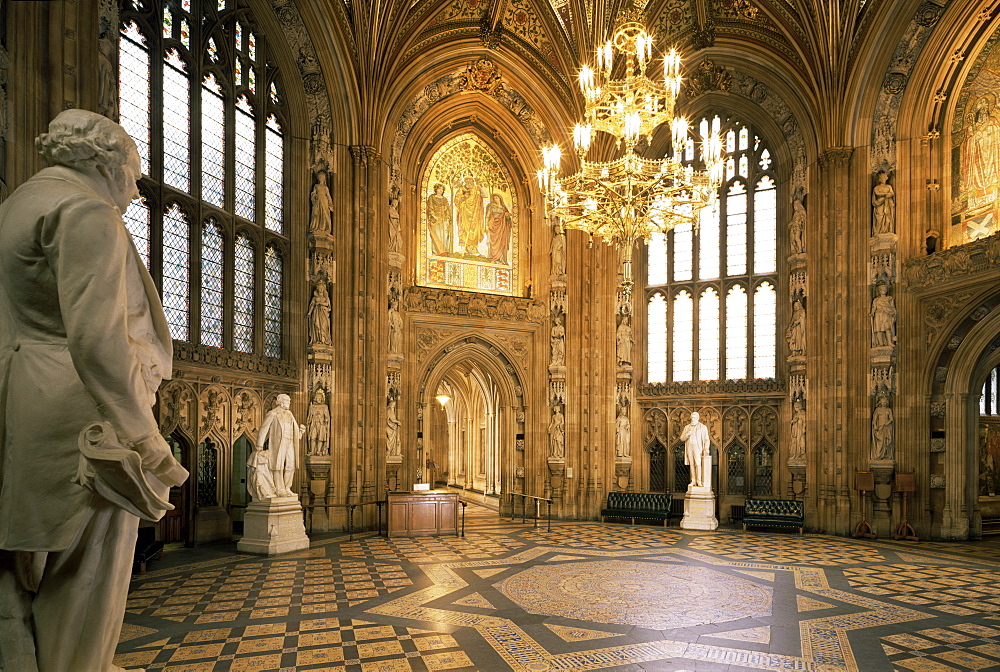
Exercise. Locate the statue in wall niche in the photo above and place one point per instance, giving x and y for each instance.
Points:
(395, 328)
(318, 425)
(319, 315)
(277, 448)
(322, 205)
(797, 432)
(797, 227)
(883, 430)
(623, 340)
(558, 343)
(83, 457)
(395, 234)
(623, 435)
(559, 253)
(883, 314)
(883, 206)
(557, 434)
(795, 335)
(394, 446)
(696, 447)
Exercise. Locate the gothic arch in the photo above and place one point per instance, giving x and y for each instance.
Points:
(954, 409)
(479, 355)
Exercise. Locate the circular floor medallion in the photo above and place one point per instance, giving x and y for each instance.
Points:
(645, 594)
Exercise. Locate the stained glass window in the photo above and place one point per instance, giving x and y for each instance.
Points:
(736, 333)
(657, 339)
(765, 324)
(708, 335)
(137, 222)
(176, 271)
(721, 320)
(133, 67)
(213, 143)
(244, 286)
(246, 155)
(683, 326)
(273, 281)
(212, 291)
(212, 152)
(274, 163)
(683, 251)
(176, 121)
(656, 270)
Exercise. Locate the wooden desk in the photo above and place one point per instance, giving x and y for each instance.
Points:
(423, 513)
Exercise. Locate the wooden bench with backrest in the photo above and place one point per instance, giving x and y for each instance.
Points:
(642, 505)
(774, 513)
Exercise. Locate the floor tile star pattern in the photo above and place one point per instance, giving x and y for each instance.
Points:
(583, 596)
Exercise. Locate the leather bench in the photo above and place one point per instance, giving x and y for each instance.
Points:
(774, 513)
(642, 505)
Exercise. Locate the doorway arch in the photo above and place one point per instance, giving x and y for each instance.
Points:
(474, 439)
(956, 409)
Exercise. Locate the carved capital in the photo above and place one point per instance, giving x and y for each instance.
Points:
(836, 157)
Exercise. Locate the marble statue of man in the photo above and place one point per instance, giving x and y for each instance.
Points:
(696, 446)
(282, 433)
(83, 339)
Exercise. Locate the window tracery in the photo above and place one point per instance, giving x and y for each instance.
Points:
(721, 320)
(201, 97)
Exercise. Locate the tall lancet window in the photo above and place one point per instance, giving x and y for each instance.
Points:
(721, 321)
(201, 96)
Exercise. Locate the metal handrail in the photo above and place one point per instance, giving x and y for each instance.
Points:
(379, 503)
(524, 497)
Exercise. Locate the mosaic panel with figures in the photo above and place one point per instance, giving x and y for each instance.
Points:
(975, 143)
(468, 232)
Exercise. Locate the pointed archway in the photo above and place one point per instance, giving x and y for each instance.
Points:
(473, 437)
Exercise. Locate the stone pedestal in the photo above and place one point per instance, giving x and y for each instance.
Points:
(273, 526)
(699, 509)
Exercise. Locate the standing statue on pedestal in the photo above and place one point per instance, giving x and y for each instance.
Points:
(797, 227)
(883, 314)
(282, 433)
(557, 434)
(319, 315)
(795, 335)
(623, 338)
(623, 435)
(696, 448)
(797, 448)
(318, 425)
(83, 347)
(394, 444)
(883, 430)
(883, 206)
(557, 342)
(559, 254)
(322, 205)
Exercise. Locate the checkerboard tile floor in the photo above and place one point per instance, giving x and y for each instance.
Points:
(425, 604)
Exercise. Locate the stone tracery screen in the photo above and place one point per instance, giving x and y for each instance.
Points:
(468, 232)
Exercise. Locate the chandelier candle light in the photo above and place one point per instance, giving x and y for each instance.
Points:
(630, 198)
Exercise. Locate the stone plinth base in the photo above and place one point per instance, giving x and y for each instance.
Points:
(699, 509)
(273, 526)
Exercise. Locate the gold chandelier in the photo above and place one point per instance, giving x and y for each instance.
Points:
(629, 198)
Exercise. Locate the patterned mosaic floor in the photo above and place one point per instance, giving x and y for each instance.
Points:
(585, 596)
